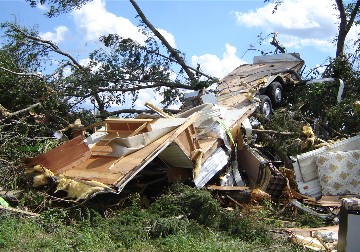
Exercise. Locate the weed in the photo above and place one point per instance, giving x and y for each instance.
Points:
(164, 227)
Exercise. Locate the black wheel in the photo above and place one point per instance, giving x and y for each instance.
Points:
(275, 93)
(265, 106)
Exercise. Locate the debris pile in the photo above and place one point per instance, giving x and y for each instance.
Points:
(205, 145)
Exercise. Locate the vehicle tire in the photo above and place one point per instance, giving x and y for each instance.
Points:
(275, 93)
(265, 106)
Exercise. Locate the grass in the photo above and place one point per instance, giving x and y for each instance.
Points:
(184, 219)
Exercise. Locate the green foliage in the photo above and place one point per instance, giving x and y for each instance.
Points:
(316, 105)
(57, 7)
(163, 227)
(308, 220)
(281, 146)
(28, 133)
(132, 228)
(114, 75)
(245, 228)
(315, 99)
(196, 204)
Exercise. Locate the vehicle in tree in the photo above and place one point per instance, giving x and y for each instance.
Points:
(264, 80)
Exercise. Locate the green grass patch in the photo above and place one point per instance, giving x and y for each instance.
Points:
(184, 219)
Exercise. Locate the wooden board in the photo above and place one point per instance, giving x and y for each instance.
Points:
(155, 148)
(187, 140)
(63, 157)
(127, 125)
(119, 170)
(94, 168)
(227, 188)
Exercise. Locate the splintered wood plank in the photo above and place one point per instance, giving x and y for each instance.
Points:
(120, 170)
(140, 128)
(109, 170)
(187, 140)
(208, 145)
(63, 157)
(98, 150)
(127, 125)
(149, 152)
(132, 160)
(95, 168)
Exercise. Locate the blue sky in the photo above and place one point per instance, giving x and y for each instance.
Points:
(215, 34)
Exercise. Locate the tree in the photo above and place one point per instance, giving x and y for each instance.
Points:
(347, 16)
(60, 6)
(317, 104)
(129, 66)
(114, 74)
(174, 53)
(30, 111)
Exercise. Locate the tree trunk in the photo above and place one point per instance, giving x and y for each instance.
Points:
(345, 25)
(342, 29)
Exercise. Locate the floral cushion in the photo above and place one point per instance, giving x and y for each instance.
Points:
(339, 172)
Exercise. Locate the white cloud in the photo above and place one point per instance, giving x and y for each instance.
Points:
(351, 39)
(94, 20)
(147, 95)
(296, 42)
(217, 67)
(84, 62)
(168, 36)
(42, 7)
(56, 37)
(67, 71)
(298, 22)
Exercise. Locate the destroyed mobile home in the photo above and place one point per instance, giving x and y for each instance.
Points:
(203, 144)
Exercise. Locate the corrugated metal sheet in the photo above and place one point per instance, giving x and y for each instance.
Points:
(174, 156)
(211, 166)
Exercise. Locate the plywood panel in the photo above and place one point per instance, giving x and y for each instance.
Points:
(64, 156)
(94, 168)
(187, 140)
(127, 125)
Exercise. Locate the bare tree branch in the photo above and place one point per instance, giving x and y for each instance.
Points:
(22, 74)
(135, 88)
(284, 133)
(173, 52)
(353, 15)
(154, 85)
(51, 45)
(191, 68)
(5, 113)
